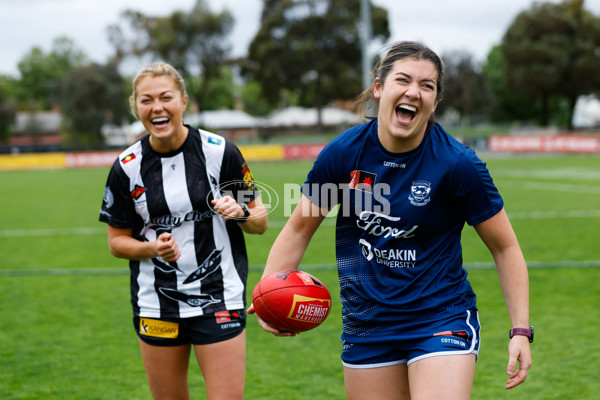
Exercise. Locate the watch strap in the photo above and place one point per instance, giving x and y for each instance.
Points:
(246, 210)
(522, 332)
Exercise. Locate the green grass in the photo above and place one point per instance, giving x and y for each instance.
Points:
(65, 317)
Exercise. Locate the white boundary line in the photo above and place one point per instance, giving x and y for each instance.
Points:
(330, 221)
(558, 187)
(52, 232)
(259, 268)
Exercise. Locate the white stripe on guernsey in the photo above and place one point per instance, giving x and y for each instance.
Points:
(233, 287)
(147, 297)
(179, 203)
(557, 187)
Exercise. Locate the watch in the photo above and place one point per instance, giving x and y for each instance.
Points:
(243, 219)
(522, 332)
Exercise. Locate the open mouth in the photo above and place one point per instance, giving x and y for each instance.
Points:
(161, 122)
(405, 113)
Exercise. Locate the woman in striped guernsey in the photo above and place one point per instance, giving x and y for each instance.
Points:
(177, 203)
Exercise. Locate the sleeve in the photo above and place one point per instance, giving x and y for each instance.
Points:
(324, 183)
(236, 178)
(477, 197)
(117, 208)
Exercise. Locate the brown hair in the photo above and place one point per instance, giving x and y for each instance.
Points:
(366, 104)
(154, 70)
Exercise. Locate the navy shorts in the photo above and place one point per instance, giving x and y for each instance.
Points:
(458, 335)
(204, 329)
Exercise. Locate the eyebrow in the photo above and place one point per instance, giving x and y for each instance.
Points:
(160, 94)
(410, 77)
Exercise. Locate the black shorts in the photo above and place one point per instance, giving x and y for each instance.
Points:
(204, 329)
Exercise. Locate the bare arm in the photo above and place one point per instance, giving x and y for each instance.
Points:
(499, 237)
(121, 244)
(293, 240)
(291, 244)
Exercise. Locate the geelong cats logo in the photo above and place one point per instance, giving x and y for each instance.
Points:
(419, 193)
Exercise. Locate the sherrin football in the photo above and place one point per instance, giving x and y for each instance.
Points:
(291, 300)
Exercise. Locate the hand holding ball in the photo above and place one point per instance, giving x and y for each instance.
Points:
(291, 300)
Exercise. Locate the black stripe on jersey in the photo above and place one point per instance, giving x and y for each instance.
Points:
(168, 307)
(238, 251)
(151, 171)
(134, 267)
(198, 187)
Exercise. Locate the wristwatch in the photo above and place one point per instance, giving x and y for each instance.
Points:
(243, 219)
(522, 332)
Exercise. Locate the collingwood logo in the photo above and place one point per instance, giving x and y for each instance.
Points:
(109, 199)
(419, 193)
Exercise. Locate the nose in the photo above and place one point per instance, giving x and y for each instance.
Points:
(157, 106)
(412, 91)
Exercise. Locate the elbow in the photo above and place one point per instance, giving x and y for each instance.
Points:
(263, 228)
(257, 227)
(114, 251)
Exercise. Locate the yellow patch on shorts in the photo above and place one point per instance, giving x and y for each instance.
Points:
(157, 328)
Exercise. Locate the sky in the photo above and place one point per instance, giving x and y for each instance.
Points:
(474, 26)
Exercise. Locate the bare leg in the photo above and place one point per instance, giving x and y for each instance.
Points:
(381, 383)
(166, 370)
(223, 366)
(442, 377)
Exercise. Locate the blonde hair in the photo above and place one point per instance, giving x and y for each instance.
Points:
(366, 104)
(154, 70)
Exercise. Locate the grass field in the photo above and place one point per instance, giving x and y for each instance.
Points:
(65, 317)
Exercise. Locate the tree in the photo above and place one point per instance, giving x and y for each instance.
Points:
(550, 54)
(7, 115)
(41, 74)
(218, 92)
(466, 87)
(253, 99)
(194, 42)
(312, 48)
(91, 96)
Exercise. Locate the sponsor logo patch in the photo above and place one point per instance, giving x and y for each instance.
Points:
(214, 140)
(222, 317)
(157, 328)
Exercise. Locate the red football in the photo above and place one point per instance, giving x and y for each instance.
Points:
(291, 300)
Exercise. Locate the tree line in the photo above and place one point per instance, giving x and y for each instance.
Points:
(307, 53)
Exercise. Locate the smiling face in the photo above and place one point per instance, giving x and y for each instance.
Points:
(407, 98)
(160, 106)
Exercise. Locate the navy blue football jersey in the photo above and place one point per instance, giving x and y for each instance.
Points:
(153, 193)
(399, 224)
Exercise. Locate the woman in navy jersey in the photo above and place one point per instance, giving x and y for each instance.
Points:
(405, 189)
(177, 203)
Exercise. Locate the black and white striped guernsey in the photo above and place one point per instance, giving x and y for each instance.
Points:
(153, 193)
